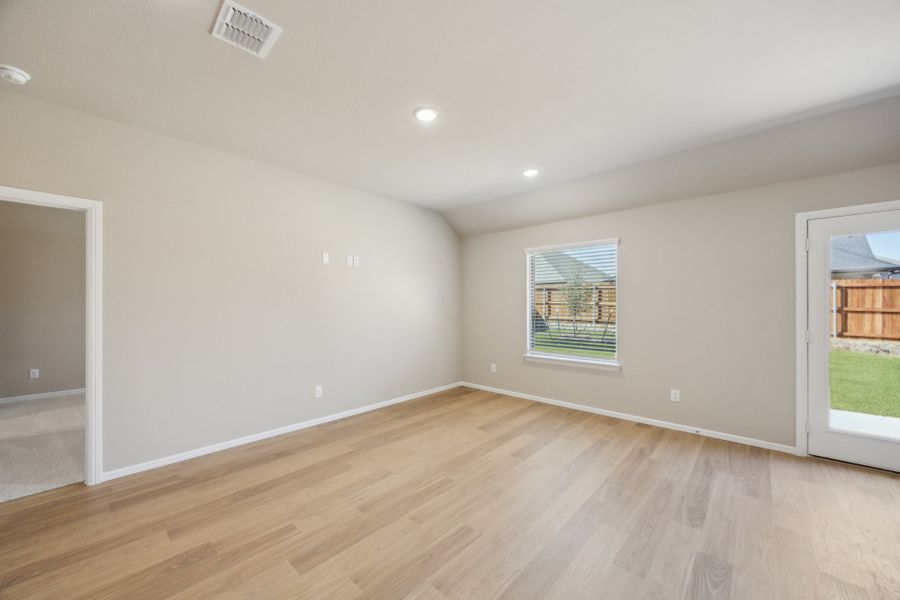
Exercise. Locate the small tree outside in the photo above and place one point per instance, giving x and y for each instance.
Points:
(578, 296)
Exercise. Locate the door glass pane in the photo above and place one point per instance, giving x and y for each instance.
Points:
(864, 322)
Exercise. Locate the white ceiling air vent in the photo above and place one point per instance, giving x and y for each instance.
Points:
(245, 29)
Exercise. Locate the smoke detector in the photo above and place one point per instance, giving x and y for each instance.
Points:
(14, 75)
(241, 27)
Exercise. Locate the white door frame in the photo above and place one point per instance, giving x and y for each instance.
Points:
(93, 218)
(802, 320)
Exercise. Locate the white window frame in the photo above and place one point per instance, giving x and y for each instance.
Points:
(610, 364)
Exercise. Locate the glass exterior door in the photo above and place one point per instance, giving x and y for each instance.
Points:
(854, 341)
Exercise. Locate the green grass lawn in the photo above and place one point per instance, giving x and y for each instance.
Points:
(554, 342)
(866, 383)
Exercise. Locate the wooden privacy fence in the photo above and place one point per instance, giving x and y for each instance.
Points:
(550, 303)
(865, 308)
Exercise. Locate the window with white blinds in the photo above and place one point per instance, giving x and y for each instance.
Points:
(572, 302)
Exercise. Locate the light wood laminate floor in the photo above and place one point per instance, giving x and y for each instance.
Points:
(466, 494)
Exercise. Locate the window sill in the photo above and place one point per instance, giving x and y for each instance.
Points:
(604, 365)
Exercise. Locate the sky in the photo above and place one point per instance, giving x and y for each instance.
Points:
(886, 245)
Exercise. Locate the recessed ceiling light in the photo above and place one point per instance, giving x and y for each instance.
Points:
(14, 75)
(530, 173)
(425, 114)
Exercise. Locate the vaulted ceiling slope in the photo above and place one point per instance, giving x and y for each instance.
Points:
(574, 87)
(854, 138)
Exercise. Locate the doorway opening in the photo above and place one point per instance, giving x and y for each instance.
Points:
(864, 357)
(849, 352)
(50, 342)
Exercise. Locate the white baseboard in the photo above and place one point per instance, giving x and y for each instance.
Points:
(255, 437)
(627, 417)
(40, 396)
(182, 456)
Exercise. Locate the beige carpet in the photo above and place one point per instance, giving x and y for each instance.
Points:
(41, 445)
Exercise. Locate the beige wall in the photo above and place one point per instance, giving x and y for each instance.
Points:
(41, 299)
(707, 305)
(219, 316)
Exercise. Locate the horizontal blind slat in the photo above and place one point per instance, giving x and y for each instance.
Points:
(573, 297)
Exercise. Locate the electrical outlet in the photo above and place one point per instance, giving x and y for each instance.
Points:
(355, 261)
(326, 258)
(675, 395)
(493, 368)
(319, 391)
(34, 374)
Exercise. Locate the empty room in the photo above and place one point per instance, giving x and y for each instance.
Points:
(498, 300)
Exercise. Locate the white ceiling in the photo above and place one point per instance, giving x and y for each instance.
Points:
(574, 87)
(853, 138)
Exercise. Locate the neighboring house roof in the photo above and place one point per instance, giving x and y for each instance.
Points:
(557, 267)
(853, 254)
